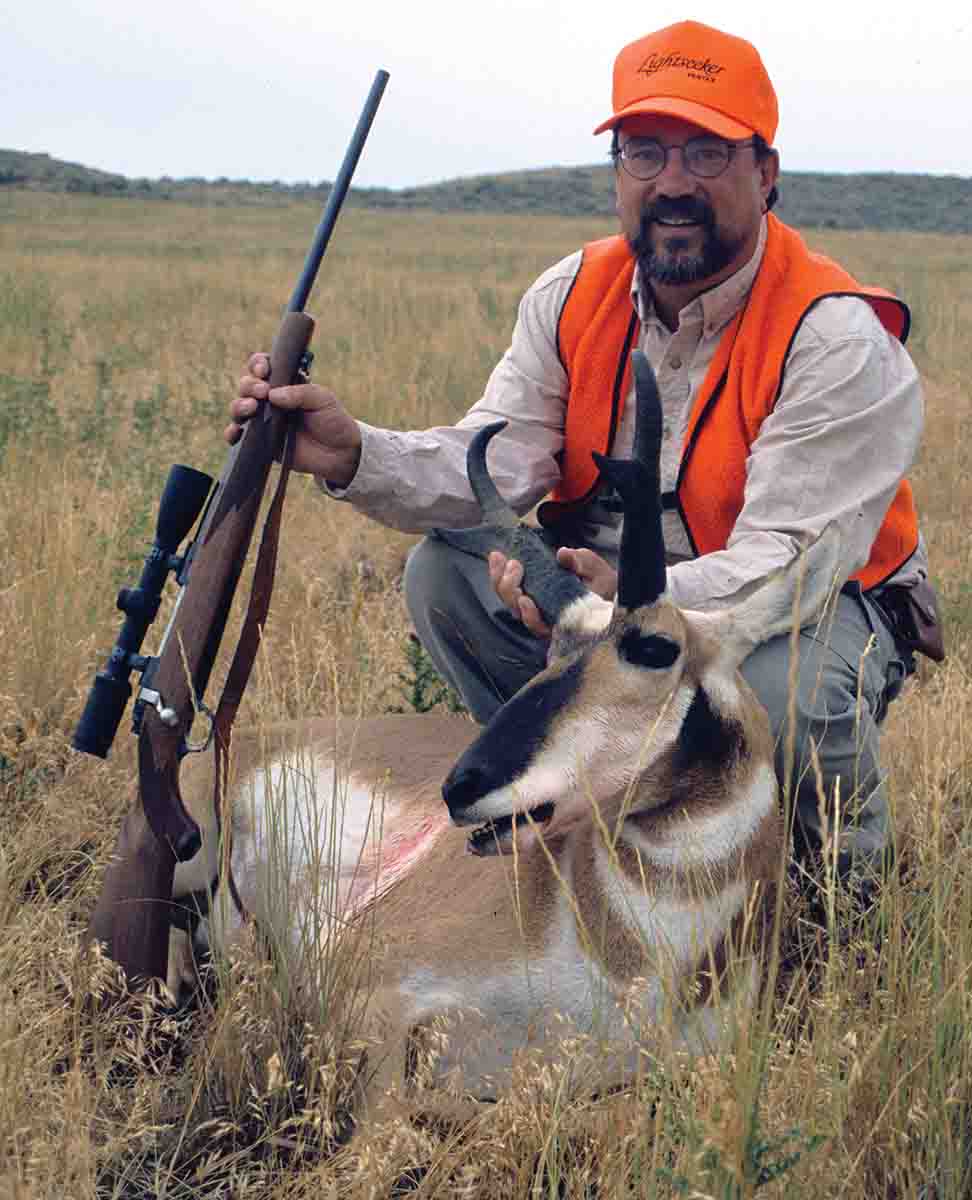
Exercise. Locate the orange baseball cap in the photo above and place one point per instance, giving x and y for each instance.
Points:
(698, 73)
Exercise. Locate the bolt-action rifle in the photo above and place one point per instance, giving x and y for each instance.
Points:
(132, 915)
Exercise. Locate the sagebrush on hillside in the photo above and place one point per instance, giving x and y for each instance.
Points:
(123, 326)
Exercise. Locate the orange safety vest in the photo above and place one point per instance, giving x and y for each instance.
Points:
(597, 330)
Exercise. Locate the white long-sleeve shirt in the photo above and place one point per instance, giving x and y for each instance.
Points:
(844, 431)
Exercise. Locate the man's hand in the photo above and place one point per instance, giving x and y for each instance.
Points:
(328, 439)
(506, 575)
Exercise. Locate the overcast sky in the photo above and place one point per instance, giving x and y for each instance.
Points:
(271, 89)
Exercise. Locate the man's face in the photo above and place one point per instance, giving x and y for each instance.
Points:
(725, 212)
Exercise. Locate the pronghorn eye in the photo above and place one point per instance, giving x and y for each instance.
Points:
(648, 650)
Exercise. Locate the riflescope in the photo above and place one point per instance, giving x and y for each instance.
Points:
(183, 499)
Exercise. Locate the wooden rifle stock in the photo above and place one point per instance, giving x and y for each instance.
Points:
(132, 914)
(128, 917)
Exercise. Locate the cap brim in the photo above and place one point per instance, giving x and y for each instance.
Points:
(687, 110)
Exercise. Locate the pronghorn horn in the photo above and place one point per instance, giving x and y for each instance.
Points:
(641, 564)
(550, 585)
(495, 509)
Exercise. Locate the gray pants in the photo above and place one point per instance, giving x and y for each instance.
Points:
(842, 693)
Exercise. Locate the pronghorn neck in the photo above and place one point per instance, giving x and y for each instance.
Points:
(672, 856)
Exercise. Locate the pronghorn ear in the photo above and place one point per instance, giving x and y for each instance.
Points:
(789, 598)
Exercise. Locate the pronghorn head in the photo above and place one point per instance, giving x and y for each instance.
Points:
(636, 694)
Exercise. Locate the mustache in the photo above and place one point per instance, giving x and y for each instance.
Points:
(685, 208)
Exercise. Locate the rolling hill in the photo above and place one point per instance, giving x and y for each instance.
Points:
(930, 203)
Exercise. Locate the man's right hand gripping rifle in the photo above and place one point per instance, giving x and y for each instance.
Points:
(328, 441)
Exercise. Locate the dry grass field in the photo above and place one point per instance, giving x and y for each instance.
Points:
(123, 327)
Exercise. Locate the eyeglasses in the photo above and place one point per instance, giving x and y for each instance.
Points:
(707, 157)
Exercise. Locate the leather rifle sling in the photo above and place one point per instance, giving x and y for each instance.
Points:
(258, 606)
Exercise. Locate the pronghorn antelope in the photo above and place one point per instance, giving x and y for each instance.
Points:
(621, 812)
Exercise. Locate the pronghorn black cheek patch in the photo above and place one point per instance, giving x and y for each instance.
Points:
(511, 740)
(707, 737)
(648, 650)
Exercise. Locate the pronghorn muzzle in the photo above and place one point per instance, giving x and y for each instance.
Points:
(481, 789)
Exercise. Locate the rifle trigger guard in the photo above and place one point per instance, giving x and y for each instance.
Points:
(203, 746)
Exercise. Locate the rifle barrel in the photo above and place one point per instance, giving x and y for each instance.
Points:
(338, 193)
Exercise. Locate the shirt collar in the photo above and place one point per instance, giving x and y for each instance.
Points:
(716, 307)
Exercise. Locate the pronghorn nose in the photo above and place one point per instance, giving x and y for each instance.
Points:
(511, 741)
(465, 784)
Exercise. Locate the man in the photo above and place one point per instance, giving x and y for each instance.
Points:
(789, 403)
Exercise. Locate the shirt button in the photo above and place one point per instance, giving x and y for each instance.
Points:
(675, 362)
